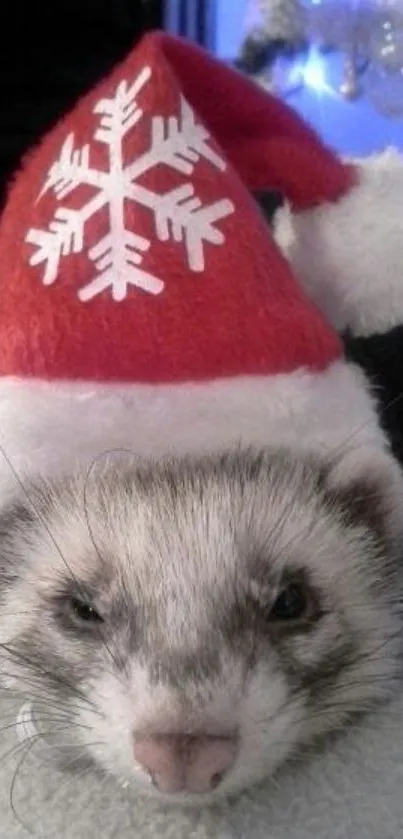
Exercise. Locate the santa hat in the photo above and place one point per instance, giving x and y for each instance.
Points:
(341, 226)
(144, 304)
(348, 253)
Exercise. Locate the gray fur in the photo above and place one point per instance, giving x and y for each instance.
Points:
(183, 561)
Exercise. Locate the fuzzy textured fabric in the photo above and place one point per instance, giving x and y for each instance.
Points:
(262, 137)
(202, 295)
(122, 274)
(47, 428)
(353, 790)
(348, 256)
(379, 354)
(143, 287)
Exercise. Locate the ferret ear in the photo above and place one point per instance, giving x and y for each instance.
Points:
(363, 501)
(369, 487)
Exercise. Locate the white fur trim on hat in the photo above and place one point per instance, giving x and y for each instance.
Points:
(349, 254)
(47, 429)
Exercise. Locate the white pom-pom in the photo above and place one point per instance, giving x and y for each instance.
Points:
(349, 255)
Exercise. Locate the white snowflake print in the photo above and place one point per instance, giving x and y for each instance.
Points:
(179, 142)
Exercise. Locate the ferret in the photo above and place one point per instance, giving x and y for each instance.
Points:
(190, 625)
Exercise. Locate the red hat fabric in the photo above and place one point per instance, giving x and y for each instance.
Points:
(131, 247)
(268, 144)
(144, 303)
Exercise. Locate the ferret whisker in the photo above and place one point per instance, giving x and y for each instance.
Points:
(333, 700)
(30, 746)
(106, 453)
(25, 752)
(80, 774)
(332, 455)
(43, 699)
(54, 677)
(16, 723)
(36, 511)
(360, 683)
(44, 523)
(371, 654)
(30, 692)
(19, 746)
(341, 448)
(184, 565)
(79, 746)
(33, 680)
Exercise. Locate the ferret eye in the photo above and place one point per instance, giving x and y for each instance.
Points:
(291, 604)
(84, 612)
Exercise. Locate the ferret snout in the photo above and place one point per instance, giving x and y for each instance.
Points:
(185, 763)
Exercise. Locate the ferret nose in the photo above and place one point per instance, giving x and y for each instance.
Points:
(179, 763)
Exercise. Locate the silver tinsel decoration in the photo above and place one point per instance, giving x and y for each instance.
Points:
(281, 20)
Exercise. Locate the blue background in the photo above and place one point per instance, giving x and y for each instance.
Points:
(352, 128)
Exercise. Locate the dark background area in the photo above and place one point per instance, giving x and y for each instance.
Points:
(53, 52)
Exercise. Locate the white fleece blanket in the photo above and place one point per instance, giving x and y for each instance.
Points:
(352, 790)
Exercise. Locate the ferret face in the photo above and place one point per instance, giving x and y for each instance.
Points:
(189, 626)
